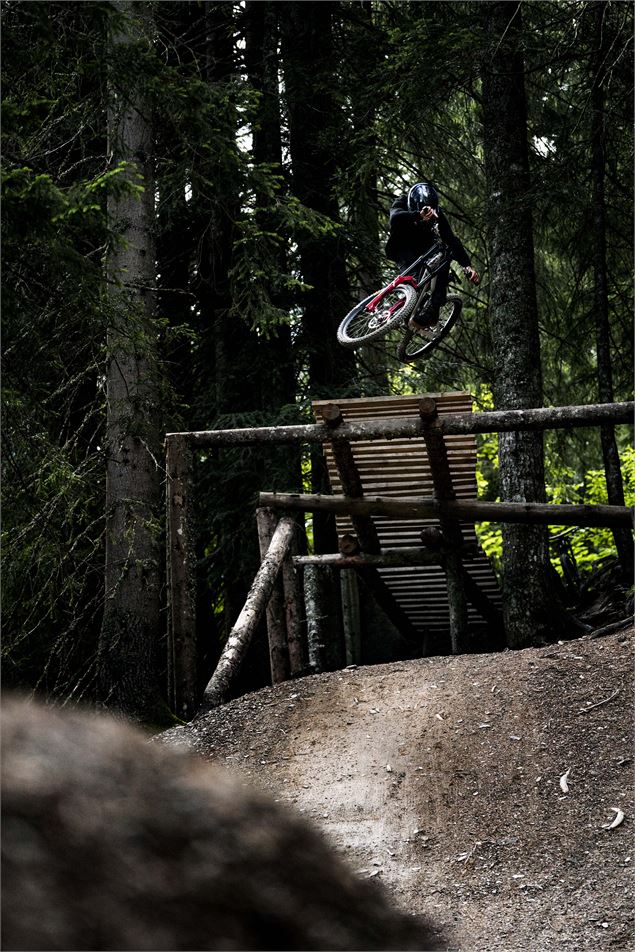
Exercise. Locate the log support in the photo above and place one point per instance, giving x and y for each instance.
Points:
(495, 421)
(240, 636)
(387, 557)
(316, 617)
(293, 601)
(350, 480)
(472, 510)
(181, 570)
(450, 526)
(276, 614)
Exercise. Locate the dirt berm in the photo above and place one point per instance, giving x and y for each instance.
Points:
(448, 777)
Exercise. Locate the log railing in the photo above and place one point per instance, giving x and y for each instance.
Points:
(472, 510)
(182, 659)
(492, 421)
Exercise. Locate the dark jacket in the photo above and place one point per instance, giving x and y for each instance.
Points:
(410, 236)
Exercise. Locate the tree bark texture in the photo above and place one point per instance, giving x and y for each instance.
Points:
(472, 510)
(497, 421)
(129, 644)
(514, 317)
(316, 617)
(181, 575)
(240, 636)
(614, 483)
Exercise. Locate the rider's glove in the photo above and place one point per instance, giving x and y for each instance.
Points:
(472, 275)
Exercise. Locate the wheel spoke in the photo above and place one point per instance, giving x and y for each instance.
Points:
(364, 325)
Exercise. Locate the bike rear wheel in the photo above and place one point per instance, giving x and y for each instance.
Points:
(360, 325)
(421, 344)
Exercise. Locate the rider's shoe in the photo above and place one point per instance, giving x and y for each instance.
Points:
(427, 319)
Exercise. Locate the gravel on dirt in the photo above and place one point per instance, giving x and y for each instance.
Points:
(481, 789)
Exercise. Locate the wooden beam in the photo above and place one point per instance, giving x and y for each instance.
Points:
(386, 558)
(293, 602)
(450, 526)
(240, 636)
(468, 510)
(494, 421)
(181, 578)
(350, 479)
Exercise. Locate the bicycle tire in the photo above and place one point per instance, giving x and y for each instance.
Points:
(357, 328)
(413, 346)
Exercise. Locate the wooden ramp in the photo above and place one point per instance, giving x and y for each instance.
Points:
(401, 468)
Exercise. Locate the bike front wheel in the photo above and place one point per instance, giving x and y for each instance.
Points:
(416, 344)
(361, 325)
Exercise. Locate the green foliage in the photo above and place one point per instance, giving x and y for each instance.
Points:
(588, 544)
(564, 486)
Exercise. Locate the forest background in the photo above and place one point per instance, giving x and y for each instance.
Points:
(195, 194)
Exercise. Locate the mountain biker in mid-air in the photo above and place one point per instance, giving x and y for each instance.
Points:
(412, 218)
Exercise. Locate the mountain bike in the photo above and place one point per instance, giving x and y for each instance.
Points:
(405, 297)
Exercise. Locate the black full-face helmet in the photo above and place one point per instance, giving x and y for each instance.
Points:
(420, 195)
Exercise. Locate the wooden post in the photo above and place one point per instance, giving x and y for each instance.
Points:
(293, 601)
(276, 616)
(316, 617)
(241, 634)
(351, 616)
(181, 579)
(450, 527)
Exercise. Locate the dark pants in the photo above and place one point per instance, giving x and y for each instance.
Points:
(439, 294)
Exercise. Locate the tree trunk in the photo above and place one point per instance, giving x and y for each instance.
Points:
(614, 483)
(364, 210)
(514, 317)
(313, 113)
(129, 662)
(261, 56)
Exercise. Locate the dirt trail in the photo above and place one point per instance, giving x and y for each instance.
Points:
(442, 777)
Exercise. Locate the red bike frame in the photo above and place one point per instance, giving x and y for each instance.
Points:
(400, 279)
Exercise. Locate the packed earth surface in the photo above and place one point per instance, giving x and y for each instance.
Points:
(483, 790)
